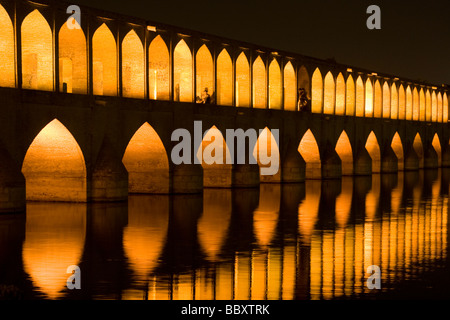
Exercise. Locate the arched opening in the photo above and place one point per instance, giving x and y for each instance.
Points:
(133, 74)
(437, 147)
(242, 81)
(104, 60)
(182, 68)
(397, 147)
(54, 166)
(329, 95)
(378, 100)
(373, 149)
(304, 81)
(224, 79)
(37, 53)
(434, 107)
(345, 152)
(445, 112)
(359, 97)
(309, 151)
(409, 104)
(158, 70)
(340, 95)
(267, 154)
(7, 71)
(274, 85)
(290, 93)
(205, 72)
(215, 158)
(439, 107)
(317, 92)
(416, 105)
(147, 163)
(72, 59)
(418, 148)
(368, 108)
(259, 84)
(394, 103)
(350, 100)
(425, 106)
(386, 101)
(401, 103)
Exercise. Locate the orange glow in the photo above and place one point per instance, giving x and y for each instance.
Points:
(317, 92)
(373, 149)
(416, 105)
(308, 210)
(344, 202)
(265, 217)
(7, 71)
(394, 102)
(340, 95)
(359, 97)
(437, 147)
(434, 108)
(104, 59)
(54, 167)
(344, 150)
(146, 162)
(242, 81)
(418, 148)
(401, 103)
(350, 100)
(445, 112)
(425, 106)
(329, 95)
(182, 65)
(409, 104)
(158, 56)
(265, 144)
(259, 84)
(386, 101)
(205, 71)
(397, 146)
(290, 94)
(224, 79)
(37, 53)
(439, 107)
(274, 85)
(309, 150)
(303, 80)
(378, 100)
(133, 74)
(368, 109)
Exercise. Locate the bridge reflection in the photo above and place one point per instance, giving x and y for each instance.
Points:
(294, 241)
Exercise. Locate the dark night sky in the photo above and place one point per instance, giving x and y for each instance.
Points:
(414, 41)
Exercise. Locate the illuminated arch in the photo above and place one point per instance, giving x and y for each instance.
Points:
(394, 103)
(437, 147)
(146, 161)
(182, 65)
(309, 150)
(37, 53)
(416, 105)
(72, 60)
(317, 92)
(345, 152)
(378, 100)
(274, 85)
(263, 151)
(368, 108)
(397, 147)
(242, 81)
(418, 148)
(401, 103)
(224, 79)
(304, 81)
(205, 71)
(359, 97)
(425, 105)
(340, 95)
(386, 101)
(259, 84)
(54, 166)
(373, 149)
(7, 71)
(104, 59)
(350, 99)
(439, 107)
(434, 108)
(329, 94)
(290, 93)
(409, 104)
(445, 112)
(133, 70)
(159, 69)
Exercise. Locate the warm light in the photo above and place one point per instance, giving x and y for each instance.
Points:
(242, 81)
(275, 88)
(182, 72)
(259, 84)
(317, 92)
(373, 149)
(329, 94)
(290, 92)
(309, 150)
(7, 76)
(225, 79)
(158, 56)
(350, 97)
(151, 28)
(205, 73)
(344, 150)
(132, 66)
(104, 59)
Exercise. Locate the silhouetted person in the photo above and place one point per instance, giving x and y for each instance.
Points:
(206, 98)
(303, 102)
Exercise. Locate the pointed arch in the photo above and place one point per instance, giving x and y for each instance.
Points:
(340, 95)
(309, 150)
(434, 108)
(368, 108)
(267, 154)
(360, 97)
(158, 69)
(147, 163)
(304, 80)
(72, 59)
(205, 71)
(290, 93)
(242, 81)
(373, 148)
(104, 59)
(274, 85)
(133, 74)
(416, 105)
(259, 84)
(439, 107)
(182, 65)
(397, 147)
(224, 79)
(54, 166)
(425, 105)
(37, 53)
(401, 103)
(329, 94)
(437, 147)
(445, 112)
(418, 148)
(345, 152)
(378, 100)
(386, 101)
(350, 97)
(409, 104)
(7, 71)
(394, 102)
(317, 92)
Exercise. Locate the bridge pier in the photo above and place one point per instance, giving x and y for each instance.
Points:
(362, 163)
(412, 161)
(186, 178)
(331, 164)
(245, 175)
(445, 157)
(389, 160)
(12, 186)
(431, 159)
(292, 166)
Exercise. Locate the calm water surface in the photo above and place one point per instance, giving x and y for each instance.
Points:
(297, 241)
